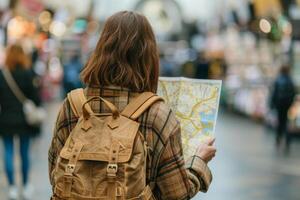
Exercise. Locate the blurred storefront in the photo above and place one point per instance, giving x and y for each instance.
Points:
(242, 42)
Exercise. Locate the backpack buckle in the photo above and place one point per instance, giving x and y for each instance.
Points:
(70, 168)
(112, 170)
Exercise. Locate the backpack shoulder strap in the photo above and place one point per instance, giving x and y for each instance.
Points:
(140, 104)
(77, 99)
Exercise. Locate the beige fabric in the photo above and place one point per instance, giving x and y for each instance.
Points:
(86, 111)
(76, 99)
(168, 173)
(103, 157)
(140, 104)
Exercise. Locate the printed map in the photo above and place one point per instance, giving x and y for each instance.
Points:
(195, 103)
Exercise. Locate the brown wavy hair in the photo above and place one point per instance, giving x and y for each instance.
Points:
(16, 57)
(126, 55)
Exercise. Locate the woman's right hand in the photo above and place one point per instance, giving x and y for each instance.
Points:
(206, 151)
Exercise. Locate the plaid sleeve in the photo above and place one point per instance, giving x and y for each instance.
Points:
(60, 135)
(177, 179)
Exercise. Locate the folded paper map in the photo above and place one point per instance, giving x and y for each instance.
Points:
(195, 103)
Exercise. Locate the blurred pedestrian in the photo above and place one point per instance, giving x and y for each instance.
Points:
(202, 66)
(124, 65)
(12, 119)
(281, 100)
(72, 70)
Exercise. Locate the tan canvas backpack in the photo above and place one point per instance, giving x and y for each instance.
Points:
(105, 156)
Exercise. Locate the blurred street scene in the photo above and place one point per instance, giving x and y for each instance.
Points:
(253, 46)
(247, 165)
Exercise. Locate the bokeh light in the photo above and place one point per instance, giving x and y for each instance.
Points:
(265, 26)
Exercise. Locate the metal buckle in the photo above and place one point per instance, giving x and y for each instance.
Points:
(70, 168)
(112, 170)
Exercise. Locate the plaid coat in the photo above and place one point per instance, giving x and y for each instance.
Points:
(170, 176)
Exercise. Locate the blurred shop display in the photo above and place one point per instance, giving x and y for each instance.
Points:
(267, 7)
(251, 68)
(29, 9)
(254, 55)
(52, 32)
(296, 49)
(240, 42)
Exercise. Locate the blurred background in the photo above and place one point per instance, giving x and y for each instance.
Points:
(242, 42)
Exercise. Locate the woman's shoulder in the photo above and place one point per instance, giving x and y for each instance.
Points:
(65, 115)
(160, 108)
(162, 118)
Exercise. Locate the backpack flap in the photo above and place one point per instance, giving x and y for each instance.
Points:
(101, 133)
(99, 138)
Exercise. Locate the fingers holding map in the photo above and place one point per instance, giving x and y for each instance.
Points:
(196, 104)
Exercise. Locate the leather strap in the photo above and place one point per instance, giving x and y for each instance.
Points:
(77, 99)
(112, 107)
(74, 158)
(112, 169)
(140, 104)
(112, 190)
(68, 175)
